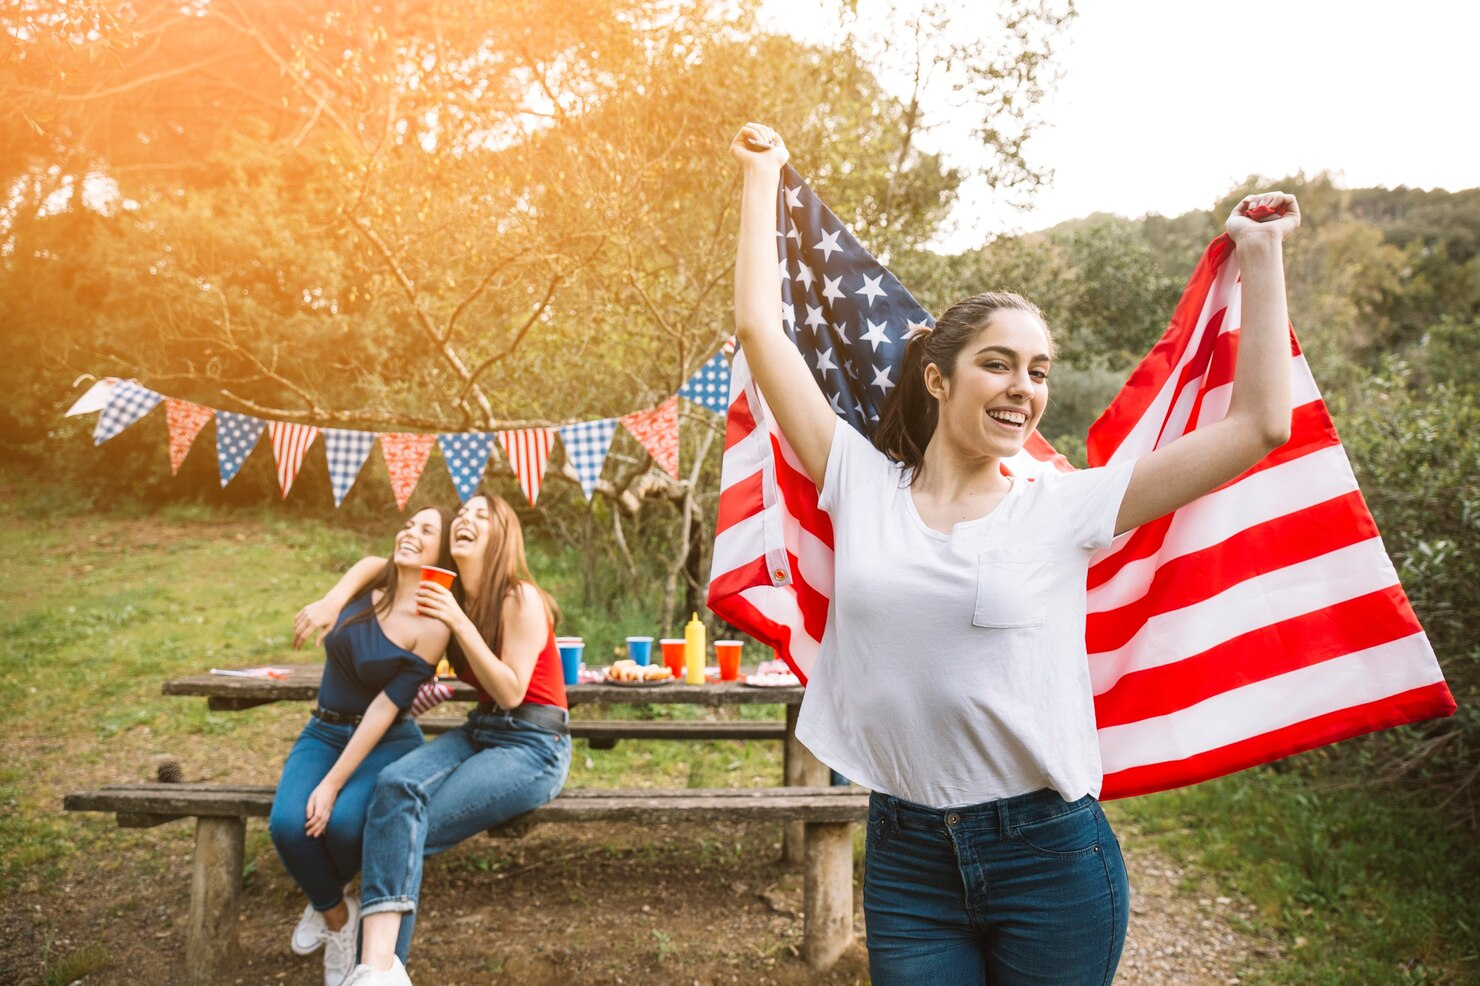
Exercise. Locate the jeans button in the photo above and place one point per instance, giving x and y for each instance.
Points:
(952, 818)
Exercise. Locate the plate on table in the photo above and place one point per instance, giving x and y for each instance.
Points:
(771, 679)
(639, 684)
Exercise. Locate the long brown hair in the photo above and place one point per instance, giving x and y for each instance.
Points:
(505, 569)
(911, 412)
(389, 577)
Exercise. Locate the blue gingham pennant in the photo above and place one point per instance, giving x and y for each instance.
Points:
(346, 451)
(710, 384)
(586, 445)
(466, 455)
(236, 436)
(127, 403)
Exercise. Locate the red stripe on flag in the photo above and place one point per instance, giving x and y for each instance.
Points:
(739, 423)
(1310, 431)
(1145, 382)
(1414, 705)
(739, 501)
(1253, 551)
(1266, 652)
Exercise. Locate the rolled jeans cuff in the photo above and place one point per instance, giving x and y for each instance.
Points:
(382, 905)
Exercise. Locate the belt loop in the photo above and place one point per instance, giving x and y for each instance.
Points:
(1003, 821)
(891, 814)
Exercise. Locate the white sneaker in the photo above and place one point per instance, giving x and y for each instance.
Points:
(366, 976)
(308, 937)
(339, 947)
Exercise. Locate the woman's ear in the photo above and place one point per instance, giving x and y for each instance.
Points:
(935, 382)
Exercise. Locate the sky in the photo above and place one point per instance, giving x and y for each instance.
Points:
(1164, 106)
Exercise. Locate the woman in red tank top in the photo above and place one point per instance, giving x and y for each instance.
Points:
(512, 755)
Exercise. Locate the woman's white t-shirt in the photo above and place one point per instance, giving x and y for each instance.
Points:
(953, 667)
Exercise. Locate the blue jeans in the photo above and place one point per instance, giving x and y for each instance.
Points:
(1030, 889)
(464, 782)
(323, 865)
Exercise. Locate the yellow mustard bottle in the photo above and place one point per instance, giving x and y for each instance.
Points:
(693, 651)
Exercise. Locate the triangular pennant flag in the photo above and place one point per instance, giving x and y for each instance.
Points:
(127, 403)
(236, 436)
(528, 451)
(466, 455)
(290, 444)
(710, 384)
(95, 399)
(186, 419)
(657, 430)
(405, 456)
(346, 452)
(586, 445)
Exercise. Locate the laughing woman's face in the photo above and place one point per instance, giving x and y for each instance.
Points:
(471, 530)
(418, 544)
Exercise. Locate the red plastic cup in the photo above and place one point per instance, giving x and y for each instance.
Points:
(673, 655)
(728, 654)
(444, 578)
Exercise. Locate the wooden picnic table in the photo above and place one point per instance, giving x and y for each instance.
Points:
(300, 683)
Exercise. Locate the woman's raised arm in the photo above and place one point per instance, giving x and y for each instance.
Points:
(1258, 418)
(318, 617)
(780, 371)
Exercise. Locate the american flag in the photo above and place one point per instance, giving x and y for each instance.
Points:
(1258, 621)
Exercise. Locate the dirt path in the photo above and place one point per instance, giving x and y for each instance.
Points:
(582, 904)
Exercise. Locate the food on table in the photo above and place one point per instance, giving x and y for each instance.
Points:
(630, 671)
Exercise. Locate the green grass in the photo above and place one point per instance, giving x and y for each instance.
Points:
(1361, 885)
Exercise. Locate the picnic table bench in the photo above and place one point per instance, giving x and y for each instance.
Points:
(300, 683)
(826, 814)
(817, 819)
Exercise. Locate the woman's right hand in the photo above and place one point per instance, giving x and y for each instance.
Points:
(437, 602)
(315, 618)
(757, 144)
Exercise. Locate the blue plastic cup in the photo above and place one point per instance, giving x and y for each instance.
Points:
(640, 649)
(570, 649)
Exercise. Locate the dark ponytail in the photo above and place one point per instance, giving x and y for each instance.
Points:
(910, 413)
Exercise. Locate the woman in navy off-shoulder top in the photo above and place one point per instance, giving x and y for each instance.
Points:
(378, 654)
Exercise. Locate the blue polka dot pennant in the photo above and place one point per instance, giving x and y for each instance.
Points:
(466, 455)
(710, 385)
(236, 436)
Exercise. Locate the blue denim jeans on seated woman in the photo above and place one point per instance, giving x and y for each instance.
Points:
(1030, 889)
(323, 865)
(464, 782)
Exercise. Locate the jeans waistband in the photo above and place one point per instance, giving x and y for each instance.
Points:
(1001, 815)
(344, 718)
(550, 717)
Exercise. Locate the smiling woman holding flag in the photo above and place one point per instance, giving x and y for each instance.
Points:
(952, 678)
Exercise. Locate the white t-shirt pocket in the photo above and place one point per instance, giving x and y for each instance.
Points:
(1012, 587)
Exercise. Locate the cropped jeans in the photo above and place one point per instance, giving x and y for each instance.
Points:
(1025, 890)
(323, 865)
(464, 782)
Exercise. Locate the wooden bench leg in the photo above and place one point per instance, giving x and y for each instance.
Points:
(800, 769)
(827, 894)
(215, 884)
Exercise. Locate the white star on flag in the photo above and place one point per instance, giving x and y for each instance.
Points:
(871, 289)
(875, 334)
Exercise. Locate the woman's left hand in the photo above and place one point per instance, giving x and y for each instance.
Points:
(1281, 217)
(320, 807)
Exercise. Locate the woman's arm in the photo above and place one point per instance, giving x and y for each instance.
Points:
(1258, 418)
(778, 366)
(318, 617)
(505, 676)
(372, 727)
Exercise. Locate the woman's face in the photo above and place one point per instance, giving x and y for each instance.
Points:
(419, 542)
(997, 393)
(471, 529)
